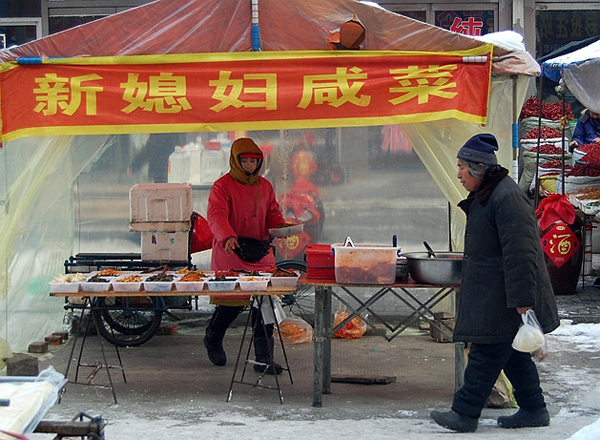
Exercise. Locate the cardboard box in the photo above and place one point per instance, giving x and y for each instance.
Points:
(165, 246)
(160, 207)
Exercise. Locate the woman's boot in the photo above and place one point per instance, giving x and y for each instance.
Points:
(215, 332)
(213, 342)
(263, 348)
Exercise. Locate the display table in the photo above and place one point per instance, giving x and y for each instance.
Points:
(404, 291)
(90, 302)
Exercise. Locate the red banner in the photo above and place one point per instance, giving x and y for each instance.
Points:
(241, 91)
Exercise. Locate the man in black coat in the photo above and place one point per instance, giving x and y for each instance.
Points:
(504, 275)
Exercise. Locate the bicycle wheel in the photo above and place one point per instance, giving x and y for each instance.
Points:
(301, 303)
(124, 324)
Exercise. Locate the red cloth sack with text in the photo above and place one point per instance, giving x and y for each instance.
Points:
(561, 236)
(202, 235)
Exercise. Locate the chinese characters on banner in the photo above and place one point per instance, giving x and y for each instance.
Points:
(240, 91)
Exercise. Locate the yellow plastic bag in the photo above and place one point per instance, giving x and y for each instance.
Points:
(352, 330)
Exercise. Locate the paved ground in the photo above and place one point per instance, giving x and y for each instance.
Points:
(171, 378)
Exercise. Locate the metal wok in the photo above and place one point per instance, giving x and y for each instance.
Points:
(444, 269)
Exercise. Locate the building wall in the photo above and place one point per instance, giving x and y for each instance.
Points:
(545, 26)
(58, 15)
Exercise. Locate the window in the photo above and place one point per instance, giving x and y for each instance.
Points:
(558, 28)
(15, 31)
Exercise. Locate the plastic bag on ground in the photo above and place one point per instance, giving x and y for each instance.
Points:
(295, 330)
(352, 330)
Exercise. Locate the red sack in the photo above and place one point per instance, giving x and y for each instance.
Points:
(202, 235)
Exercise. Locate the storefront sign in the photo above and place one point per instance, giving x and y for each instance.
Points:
(242, 91)
(476, 22)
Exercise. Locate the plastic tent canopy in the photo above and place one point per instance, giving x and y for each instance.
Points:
(579, 70)
(37, 225)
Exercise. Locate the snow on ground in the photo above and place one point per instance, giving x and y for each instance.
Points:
(570, 378)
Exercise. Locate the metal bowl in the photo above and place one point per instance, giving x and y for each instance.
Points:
(445, 269)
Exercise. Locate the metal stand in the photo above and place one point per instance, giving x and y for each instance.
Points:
(257, 301)
(82, 425)
(98, 366)
(323, 330)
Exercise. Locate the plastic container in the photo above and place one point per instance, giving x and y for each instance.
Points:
(214, 163)
(365, 264)
(94, 286)
(227, 285)
(319, 261)
(284, 281)
(179, 165)
(253, 283)
(119, 285)
(64, 287)
(158, 286)
(189, 286)
(195, 151)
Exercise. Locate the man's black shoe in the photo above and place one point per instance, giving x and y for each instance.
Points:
(454, 421)
(525, 419)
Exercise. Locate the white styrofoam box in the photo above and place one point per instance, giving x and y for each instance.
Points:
(165, 246)
(160, 206)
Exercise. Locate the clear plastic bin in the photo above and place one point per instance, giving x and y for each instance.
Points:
(365, 264)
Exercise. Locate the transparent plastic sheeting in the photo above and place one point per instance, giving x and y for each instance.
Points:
(583, 82)
(30, 399)
(203, 26)
(36, 230)
(579, 69)
(48, 213)
(65, 195)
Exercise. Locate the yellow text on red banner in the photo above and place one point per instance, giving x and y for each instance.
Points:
(241, 91)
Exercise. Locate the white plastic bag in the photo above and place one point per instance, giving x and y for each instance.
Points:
(270, 314)
(295, 330)
(530, 337)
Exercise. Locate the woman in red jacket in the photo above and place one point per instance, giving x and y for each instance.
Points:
(241, 208)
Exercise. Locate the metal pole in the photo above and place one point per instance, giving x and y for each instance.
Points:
(255, 27)
(537, 156)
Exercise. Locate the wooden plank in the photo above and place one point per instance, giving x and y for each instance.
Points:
(362, 379)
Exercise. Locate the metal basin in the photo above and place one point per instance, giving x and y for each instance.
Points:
(444, 269)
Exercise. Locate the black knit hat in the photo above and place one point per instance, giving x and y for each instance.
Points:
(480, 149)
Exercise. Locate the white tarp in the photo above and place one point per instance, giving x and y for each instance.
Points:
(580, 70)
